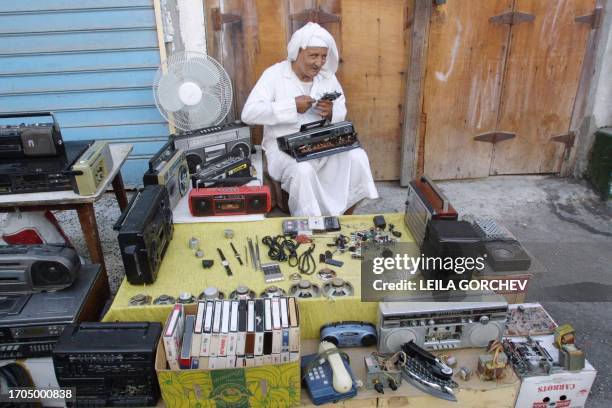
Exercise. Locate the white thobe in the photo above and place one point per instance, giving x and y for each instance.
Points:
(325, 186)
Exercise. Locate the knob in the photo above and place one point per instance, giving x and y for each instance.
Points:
(431, 322)
(484, 319)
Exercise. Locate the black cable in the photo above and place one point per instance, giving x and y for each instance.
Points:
(281, 249)
(306, 262)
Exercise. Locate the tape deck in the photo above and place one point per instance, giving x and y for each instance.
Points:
(145, 230)
(205, 146)
(30, 140)
(229, 201)
(36, 268)
(169, 168)
(440, 325)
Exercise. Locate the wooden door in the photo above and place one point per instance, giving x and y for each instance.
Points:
(542, 74)
(506, 74)
(371, 38)
(465, 65)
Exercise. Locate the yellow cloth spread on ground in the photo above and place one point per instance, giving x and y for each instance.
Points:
(181, 271)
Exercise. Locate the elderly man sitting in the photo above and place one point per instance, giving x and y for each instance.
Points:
(284, 98)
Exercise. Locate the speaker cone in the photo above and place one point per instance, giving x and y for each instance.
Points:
(49, 273)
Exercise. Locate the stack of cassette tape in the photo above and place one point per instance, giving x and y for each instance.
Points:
(232, 333)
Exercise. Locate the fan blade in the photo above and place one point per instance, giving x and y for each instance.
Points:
(201, 71)
(168, 92)
(206, 112)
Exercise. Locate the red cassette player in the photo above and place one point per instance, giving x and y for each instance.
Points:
(242, 200)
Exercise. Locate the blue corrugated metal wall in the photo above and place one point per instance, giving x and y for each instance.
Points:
(92, 63)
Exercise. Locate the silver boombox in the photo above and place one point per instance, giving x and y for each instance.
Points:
(205, 146)
(440, 325)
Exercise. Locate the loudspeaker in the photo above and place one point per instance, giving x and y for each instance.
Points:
(36, 268)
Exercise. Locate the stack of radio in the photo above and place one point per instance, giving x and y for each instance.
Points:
(233, 333)
(35, 158)
(43, 288)
(435, 226)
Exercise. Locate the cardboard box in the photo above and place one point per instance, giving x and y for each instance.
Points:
(276, 385)
(566, 389)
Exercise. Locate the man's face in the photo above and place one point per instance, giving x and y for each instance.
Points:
(310, 60)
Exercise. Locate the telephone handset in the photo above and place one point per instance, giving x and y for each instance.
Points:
(327, 375)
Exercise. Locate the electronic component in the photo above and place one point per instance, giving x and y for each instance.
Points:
(91, 168)
(211, 293)
(507, 256)
(334, 262)
(242, 292)
(492, 366)
(273, 291)
(327, 375)
(229, 201)
(140, 299)
(199, 253)
(226, 169)
(425, 202)
(109, 364)
(164, 300)
(529, 321)
(31, 324)
(207, 263)
(272, 272)
(337, 287)
(528, 358)
(168, 168)
(185, 298)
(326, 274)
(316, 140)
(41, 174)
(440, 325)
(571, 358)
(427, 372)
(349, 334)
(34, 268)
(207, 145)
(330, 96)
(379, 222)
(21, 140)
(304, 289)
(145, 230)
(193, 243)
(382, 372)
(446, 239)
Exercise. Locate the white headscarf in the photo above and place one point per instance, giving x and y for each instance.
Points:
(313, 35)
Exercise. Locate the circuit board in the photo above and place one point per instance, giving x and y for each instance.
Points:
(530, 320)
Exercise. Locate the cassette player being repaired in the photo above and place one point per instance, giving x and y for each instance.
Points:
(316, 140)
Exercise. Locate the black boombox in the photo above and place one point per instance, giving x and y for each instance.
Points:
(109, 364)
(145, 230)
(169, 168)
(35, 268)
(30, 140)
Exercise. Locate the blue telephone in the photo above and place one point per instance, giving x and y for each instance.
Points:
(327, 375)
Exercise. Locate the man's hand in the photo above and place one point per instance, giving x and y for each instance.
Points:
(303, 103)
(325, 108)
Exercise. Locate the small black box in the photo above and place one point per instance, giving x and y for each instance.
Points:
(449, 239)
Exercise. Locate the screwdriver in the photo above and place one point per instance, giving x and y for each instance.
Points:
(236, 254)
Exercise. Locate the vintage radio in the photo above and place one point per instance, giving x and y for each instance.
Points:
(109, 364)
(207, 145)
(425, 202)
(35, 268)
(40, 174)
(229, 201)
(31, 324)
(169, 168)
(30, 140)
(145, 230)
(230, 167)
(92, 168)
(440, 325)
(316, 140)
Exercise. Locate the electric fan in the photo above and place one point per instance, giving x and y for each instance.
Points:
(192, 90)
